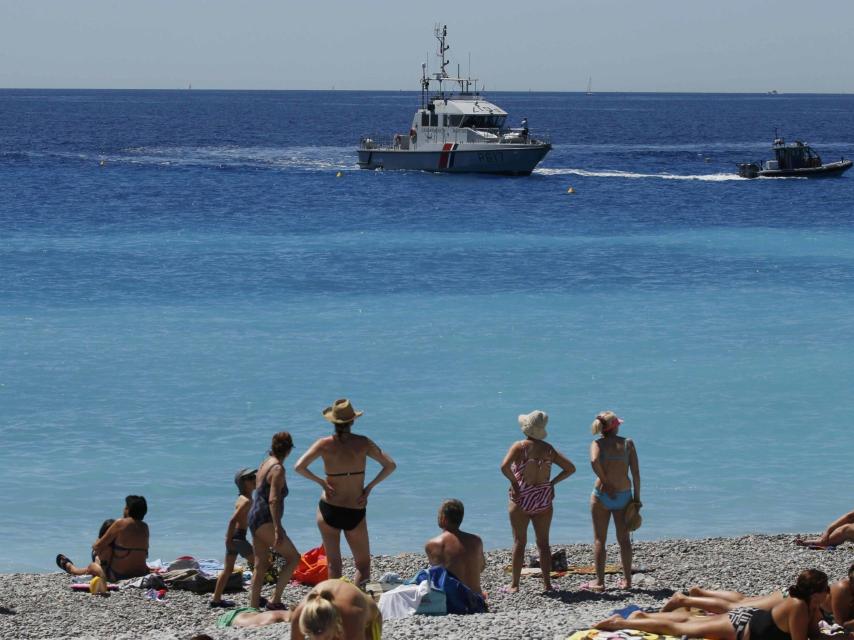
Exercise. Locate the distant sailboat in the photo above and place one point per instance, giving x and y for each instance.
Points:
(589, 85)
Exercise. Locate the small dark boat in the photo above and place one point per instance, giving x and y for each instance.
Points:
(794, 160)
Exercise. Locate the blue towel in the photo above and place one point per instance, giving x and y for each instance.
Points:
(461, 599)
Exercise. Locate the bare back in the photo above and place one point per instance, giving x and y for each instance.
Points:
(344, 461)
(356, 608)
(842, 603)
(614, 454)
(537, 457)
(125, 546)
(460, 553)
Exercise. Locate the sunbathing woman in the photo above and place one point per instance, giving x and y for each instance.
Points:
(336, 610)
(120, 552)
(794, 618)
(720, 601)
(837, 532)
(265, 522)
(612, 458)
(528, 467)
(345, 494)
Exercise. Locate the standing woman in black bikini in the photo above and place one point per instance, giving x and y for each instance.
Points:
(265, 522)
(794, 618)
(345, 494)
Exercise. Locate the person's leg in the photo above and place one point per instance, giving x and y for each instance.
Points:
(601, 517)
(542, 523)
(360, 547)
(519, 523)
(262, 542)
(222, 580)
(92, 569)
(289, 553)
(625, 541)
(731, 596)
(714, 627)
(331, 538)
(708, 603)
(675, 616)
(840, 535)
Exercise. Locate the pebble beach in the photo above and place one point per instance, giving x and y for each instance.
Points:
(43, 606)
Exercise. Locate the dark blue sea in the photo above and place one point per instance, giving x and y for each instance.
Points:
(184, 273)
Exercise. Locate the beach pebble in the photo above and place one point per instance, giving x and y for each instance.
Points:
(43, 606)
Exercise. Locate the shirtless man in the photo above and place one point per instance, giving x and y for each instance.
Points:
(837, 532)
(842, 601)
(459, 552)
(345, 495)
(121, 552)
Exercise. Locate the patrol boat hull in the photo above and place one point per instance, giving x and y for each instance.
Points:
(507, 159)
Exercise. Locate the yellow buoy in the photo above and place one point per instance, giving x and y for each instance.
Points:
(570, 190)
(339, 174)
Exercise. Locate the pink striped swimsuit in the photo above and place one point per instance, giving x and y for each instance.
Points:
(533, 498)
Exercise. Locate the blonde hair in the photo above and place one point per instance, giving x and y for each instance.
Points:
(602, 420)
(319, 614)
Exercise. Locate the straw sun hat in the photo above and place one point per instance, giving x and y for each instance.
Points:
(534, 424)
(341, 412)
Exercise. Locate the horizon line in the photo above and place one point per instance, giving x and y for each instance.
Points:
(580, 91)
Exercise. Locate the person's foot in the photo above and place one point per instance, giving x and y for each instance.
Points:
(677, 600)
(509, 589)
(276, 606)
(614, 623)
(63, 562)
(624, 584)
(695, 591)
(221, 604)
(595, 587)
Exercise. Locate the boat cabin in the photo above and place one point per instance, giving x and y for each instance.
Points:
(797, 155)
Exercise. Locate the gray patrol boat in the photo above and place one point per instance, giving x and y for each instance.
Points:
(456, 132)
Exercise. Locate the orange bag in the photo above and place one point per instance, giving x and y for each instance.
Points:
(312, 567)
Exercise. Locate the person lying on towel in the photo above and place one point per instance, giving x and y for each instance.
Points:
(461, 555)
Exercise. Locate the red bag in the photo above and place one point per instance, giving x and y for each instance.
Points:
(312, 567)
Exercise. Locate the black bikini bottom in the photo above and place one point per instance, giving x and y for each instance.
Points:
(342, 518)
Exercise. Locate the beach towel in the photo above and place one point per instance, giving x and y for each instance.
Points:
(402, 601)
(575, 569)
(625, 634)
(227, 618)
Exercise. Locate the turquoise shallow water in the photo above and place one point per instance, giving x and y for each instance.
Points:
(214, 282)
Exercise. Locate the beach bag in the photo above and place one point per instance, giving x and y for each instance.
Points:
(312, 568)
(559, 562)
(633, 516)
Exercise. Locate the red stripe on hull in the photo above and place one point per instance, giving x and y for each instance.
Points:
(443, 157)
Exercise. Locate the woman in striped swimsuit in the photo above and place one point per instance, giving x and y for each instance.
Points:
(528, 467)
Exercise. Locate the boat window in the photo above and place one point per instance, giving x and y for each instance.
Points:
(425, 119)
(454, 120)
(434, 119)
(484, 122)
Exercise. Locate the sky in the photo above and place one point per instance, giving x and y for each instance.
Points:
(539, 45)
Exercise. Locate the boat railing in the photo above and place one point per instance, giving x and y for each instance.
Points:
(401, 141)
(397, 141)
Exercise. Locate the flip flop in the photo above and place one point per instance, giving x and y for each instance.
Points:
(62, 562)
(622, 584)
(276, 606)
(506, 589)
(591, 586)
